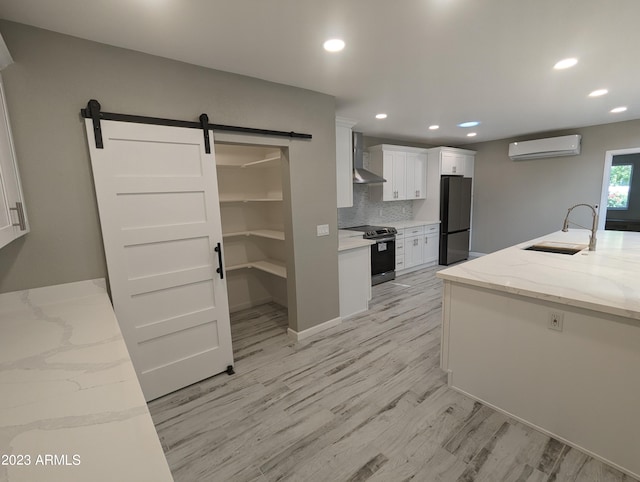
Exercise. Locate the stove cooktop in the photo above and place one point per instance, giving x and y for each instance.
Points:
(374, 231)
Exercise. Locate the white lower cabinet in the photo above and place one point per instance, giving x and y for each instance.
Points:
(354, 269)
(417, 247)
(400, 250)
(413, 251)
(430, 248)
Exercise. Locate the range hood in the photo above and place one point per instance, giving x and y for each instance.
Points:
(360, 174)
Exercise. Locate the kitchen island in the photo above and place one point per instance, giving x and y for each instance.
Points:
(553, 340)
(71, 407)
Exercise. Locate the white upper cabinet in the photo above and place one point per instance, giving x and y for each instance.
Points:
(404, 168)
(397, 180)
(344, 161)
(456, 162)
(416, 175)
(13, 217)
(451, 163)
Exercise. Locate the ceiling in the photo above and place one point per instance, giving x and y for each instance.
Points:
(421, 62)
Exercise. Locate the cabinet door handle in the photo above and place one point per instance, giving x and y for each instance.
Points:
(426, 240)
(219, 269)
(19, 209)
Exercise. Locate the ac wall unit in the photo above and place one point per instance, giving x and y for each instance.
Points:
(550, 147)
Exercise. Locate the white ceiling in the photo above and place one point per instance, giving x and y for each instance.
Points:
(420, 61)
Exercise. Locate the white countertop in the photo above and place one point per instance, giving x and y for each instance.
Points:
(348, 233)
(68, 388)
(410, 224)
(606, 280)
(352, 240)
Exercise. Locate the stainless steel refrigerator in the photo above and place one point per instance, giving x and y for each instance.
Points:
(455, 216)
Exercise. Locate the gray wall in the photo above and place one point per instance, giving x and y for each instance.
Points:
(52, 79)
(518, 200)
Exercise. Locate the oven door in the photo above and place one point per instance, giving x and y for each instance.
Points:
(383, 255)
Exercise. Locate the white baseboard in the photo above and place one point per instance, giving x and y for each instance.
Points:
(300, 335)
(474, 254)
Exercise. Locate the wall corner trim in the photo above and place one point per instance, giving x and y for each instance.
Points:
(5, 56)
(300, 335)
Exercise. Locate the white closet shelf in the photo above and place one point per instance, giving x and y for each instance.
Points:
(259, 163)
(244, 200)
(271, 266)
(262, 233)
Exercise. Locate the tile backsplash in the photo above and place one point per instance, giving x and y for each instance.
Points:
(365, 211)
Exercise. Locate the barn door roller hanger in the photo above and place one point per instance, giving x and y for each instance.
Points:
(93, 112)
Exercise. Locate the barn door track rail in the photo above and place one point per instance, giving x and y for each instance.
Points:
(93, 112)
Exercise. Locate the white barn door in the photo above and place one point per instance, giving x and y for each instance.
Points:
(157, 193)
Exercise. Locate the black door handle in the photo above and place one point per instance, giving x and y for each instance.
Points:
(219, 270)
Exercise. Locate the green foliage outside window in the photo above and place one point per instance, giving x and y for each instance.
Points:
(619, 182)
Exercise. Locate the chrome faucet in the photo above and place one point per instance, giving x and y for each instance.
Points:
(594, 226)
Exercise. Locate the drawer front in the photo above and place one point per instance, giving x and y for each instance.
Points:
(431, 229)
(400, 234)
(416, 230)
(399, 263)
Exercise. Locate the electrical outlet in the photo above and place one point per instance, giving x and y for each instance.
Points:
(556, 318)
(380, 212)
(404, 210)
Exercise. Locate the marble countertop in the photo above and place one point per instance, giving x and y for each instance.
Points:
(410, 224)
(351, 240)
(606, 280)
(347, 233)
(68, 389)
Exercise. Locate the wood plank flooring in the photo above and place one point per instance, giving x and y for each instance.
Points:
(365, 400)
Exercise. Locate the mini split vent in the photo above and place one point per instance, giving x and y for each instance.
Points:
(550, 147)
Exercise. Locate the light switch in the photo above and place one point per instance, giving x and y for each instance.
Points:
(322, 229)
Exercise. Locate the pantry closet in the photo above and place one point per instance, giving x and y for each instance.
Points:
(252, 208)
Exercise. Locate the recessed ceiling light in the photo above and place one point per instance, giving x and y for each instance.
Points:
(434, 127)
(598, 93)
(472, 134)
(565, 63)
(618, 109)
(469, 124)
(381, 116)
(334, 45)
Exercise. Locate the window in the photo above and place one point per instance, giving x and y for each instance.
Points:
(619, 182)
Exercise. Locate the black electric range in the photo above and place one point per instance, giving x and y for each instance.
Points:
(383, 252)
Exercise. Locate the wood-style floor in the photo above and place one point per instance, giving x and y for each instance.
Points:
(365, 400)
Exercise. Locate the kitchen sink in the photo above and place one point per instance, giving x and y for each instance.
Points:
(556, 247)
